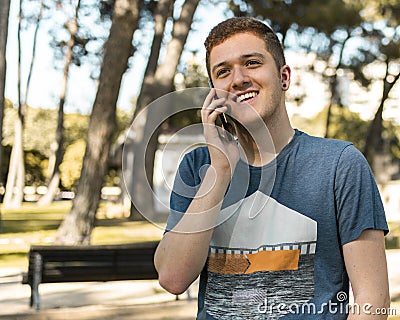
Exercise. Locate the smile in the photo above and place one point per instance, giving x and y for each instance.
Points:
(247, 96)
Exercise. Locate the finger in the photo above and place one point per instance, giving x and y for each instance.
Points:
(212, 117)
(219, 93)
(215, 103)
(209, 98)
(207, 110)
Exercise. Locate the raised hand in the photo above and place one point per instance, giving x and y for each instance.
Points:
(224, 151)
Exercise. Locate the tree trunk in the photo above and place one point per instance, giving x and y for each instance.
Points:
(54, 180)
(374, 140)
(38, 18)
(16, 174)
(143, 151)
(4, 13)
(333, 84)
(163, 11)
(79, 222)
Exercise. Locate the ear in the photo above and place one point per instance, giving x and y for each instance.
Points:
(285, 77)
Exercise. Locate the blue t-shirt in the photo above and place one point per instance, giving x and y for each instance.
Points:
(276, 252)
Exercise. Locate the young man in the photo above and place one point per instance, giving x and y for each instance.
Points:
(274, 233)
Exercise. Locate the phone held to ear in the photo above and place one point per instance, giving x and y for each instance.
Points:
(223, 118)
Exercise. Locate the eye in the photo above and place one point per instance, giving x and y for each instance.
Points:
(222, 72)
(252, 63)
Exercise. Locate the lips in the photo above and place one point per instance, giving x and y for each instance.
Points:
(246, 96)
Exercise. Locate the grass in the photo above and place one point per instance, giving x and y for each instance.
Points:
(38, 225)
(30, 217)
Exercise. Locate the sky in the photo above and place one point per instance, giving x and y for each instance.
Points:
(46, 80)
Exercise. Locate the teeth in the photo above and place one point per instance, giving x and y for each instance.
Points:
(247, 96)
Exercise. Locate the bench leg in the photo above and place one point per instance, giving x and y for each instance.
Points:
(37, 279)
(189, 297)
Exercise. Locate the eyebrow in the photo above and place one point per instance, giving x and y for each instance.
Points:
(242, 57)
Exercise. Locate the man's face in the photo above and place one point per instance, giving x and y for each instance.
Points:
(242, 66)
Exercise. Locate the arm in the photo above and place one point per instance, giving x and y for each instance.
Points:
(365, 261)
(182, 253)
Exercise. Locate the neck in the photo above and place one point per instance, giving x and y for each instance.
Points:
(259, 148)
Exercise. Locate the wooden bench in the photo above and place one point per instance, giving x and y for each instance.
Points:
(55, 264)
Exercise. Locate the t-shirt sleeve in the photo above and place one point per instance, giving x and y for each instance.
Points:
(183, 192)
(359, 205)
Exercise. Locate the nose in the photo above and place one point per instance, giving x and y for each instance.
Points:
(240, 77)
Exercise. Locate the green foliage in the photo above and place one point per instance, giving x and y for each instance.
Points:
(194, 74)
(392, 135)
(75, 127)
(40, 127)
(324, 16)
(39, 134)
(72, 164)
(35, 166)
(314, 126)
(348, 126)
(378, 10)
(183, 119)
(392, 49)
(124, 119)
(10, 116)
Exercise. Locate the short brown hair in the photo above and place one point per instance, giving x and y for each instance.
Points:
(233, 26)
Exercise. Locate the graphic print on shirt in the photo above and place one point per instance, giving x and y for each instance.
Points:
(258, 262)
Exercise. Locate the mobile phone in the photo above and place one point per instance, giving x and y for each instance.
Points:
(222, 117)
(224, 121)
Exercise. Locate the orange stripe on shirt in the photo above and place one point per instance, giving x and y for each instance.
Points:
(261, 261)
(273, 260)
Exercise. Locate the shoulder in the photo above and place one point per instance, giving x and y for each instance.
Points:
(344, 152)
(318, 144)
(196, 158)
(199, 153)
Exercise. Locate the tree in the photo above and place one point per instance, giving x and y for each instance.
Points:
(16, 173)
(78, 224)
(39, 134)
(4, 13)
(16, 177)
(56, 159)
(160, 84)
(300, 15)
(75, 43)
(374, 141)
(162, 12)
(386, 42)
